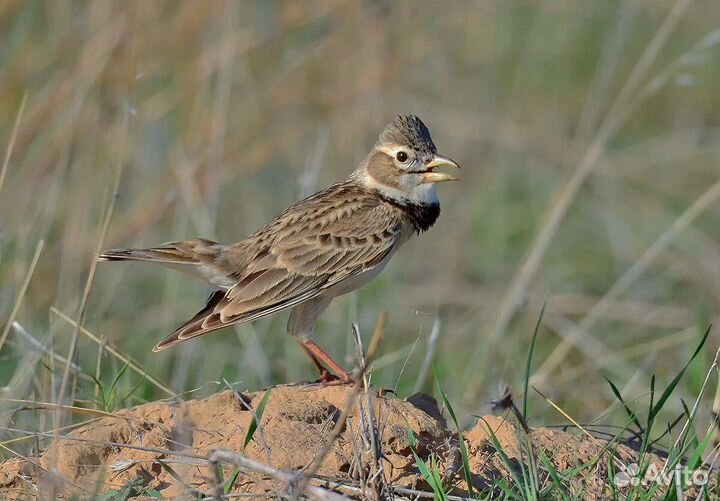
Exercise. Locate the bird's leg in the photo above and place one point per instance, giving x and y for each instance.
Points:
(334, 373)
(300, 327)
(325, 376)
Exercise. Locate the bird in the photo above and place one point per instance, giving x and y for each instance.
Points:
(327, 245)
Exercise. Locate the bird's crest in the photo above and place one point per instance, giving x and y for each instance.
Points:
(408, 130)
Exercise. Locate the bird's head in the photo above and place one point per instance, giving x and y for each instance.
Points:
(401, 165)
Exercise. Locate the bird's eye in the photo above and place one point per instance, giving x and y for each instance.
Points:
(401, 156)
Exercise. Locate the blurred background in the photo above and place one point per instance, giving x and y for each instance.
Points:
(588, 135)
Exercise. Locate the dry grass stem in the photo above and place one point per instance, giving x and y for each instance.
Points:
(11, 144)
(21, 294)
(135, 366)
(290, 479)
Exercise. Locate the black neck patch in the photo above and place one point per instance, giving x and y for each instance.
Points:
(423, 216)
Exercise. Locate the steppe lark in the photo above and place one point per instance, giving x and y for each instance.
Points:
(327, 245)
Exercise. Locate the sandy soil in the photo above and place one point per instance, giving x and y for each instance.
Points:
(162, 447)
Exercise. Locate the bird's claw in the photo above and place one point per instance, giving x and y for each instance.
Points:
(328, 379)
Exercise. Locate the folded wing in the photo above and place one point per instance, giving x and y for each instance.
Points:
(314, 245)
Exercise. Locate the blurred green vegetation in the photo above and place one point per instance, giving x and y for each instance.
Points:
(224, 113)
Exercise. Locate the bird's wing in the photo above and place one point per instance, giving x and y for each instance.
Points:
(315, 244)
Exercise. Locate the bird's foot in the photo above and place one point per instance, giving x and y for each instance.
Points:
(328, 379)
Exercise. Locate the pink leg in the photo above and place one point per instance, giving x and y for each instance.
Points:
(336, 374)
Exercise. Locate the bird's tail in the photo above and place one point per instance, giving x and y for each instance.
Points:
(190, 256)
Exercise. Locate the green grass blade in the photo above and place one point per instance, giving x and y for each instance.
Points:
(628, 411)
(130, 393)
(671, 425)
(671, 387)
(231, 482)
(652, 400)
(508, 463)
(410, 434)
(528, 363)
(102, 401)
(425, 472)
(422, 467)
(112, 391)
(171, 472)
(695, 458)
(257, 416)
(555, 477)
(461, 439)
(117, 377)
(437, 478)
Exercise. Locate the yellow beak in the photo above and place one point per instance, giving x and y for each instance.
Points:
(439, 177)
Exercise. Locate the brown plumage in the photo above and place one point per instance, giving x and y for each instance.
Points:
(321, 247)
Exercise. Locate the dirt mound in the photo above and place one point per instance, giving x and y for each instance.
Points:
(337, 434)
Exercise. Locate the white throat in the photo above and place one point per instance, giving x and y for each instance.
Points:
(418, 194)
